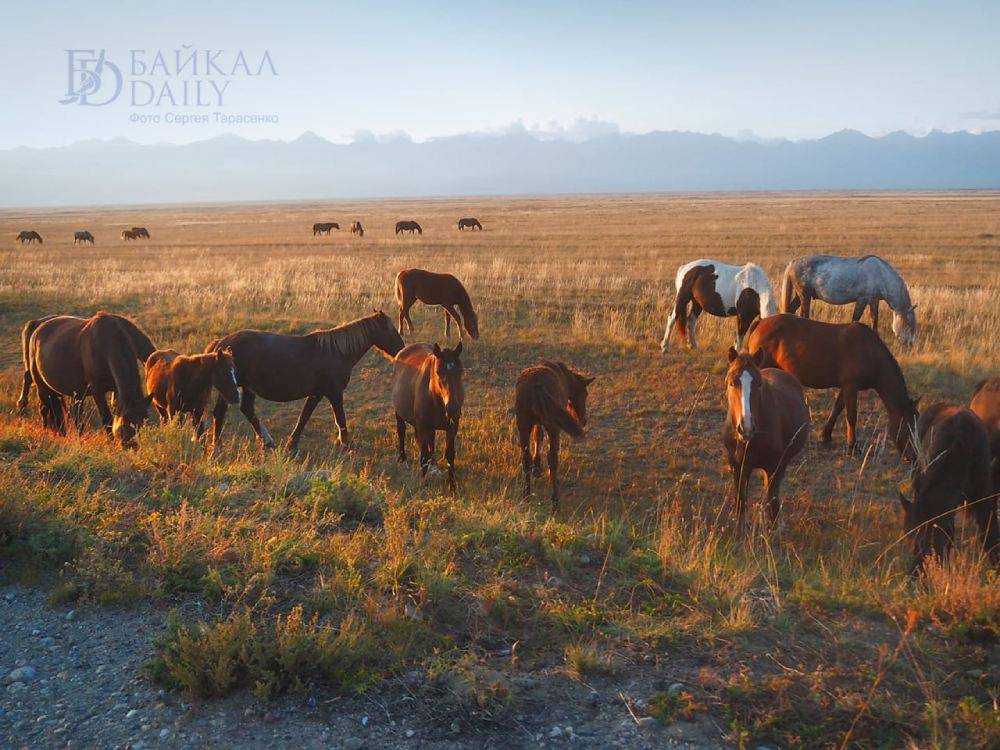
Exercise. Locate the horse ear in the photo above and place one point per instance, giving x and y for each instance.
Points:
(458, 349)
(758, 357)
(588, 381)
(732, 353)
(437, 350)
(149, 399)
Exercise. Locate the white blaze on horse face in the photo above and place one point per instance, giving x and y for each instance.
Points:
(746, 418)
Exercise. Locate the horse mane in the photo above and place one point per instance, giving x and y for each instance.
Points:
(348, 339)
(875, 257)
(121, 362)
(897, 371)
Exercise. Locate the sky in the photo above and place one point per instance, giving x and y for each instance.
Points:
(424, 69)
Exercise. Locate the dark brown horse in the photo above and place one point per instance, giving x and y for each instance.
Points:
(141, 233)
(985, 404)
(75, 358)
(28, 236)
(81, 237)
(953, 470)
(140, 342)
(767, 423)
(470, 223)
(325, 227)
(357, 229)
(284, 368)
(182, 385)
(848, 356)
(130, 234)
(408, 226)
(552, 397)
(698, 292)
(427, 393)
(436, 289)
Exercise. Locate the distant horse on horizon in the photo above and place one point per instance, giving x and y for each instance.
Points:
(141, 232)
(357, 229)
(81, 237)
(408, 226)
(130, 234)
(725, 295)
(436, 289)
(839, 280)
(471, 223)
(28, 236)
(325, 227)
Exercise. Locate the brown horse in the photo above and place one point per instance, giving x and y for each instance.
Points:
(985, 404)
(81, 237)
(953, 470)
(285, 368)
(427, 393)
(471, 223)
(75, 358)
(130, 234)
(767, 423)
(141, 233)
(324, 228)
(436, 289)
(357, 229)
(28, 236)
(698, 292)
(408, 226)
(140, 342)
(848, 356)
(552, 397)
(182, 385)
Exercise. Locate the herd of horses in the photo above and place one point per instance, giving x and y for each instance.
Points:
(30, 236)
(953, 450)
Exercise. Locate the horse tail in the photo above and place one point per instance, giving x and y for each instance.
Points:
(685, 295)
(751, 329)
(399, 288)
(551, 413)
(789, 297)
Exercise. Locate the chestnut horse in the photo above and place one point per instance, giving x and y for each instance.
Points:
(552, 397)
(767, 423)
(471, 223)
(985, 404)
(436, 289)
(182, 385)
(130, 234)
(75, 358)
(357, 229)
(698, 291)
(408, 226)
(284, 368)
(848, 356)
(953, 470)
(427, 392)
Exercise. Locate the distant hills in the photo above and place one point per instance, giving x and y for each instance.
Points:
(231, 168)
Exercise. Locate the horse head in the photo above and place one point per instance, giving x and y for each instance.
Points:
(577, 402)
(385, 336)
(447, 380)
(931, 530)
(224, 375)
(129, 420)
(743, 391)
(904, 325)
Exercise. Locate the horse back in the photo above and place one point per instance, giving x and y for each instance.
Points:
(957, 445)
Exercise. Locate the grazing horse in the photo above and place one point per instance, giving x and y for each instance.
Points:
(985, 404)
(284, 368)
(140, 342)
(182, 385)
(75, 358)
(427, 393)
(848, 356)
(723, 292)
(838, 280)
(767, 423)
(130, 234)
(357, 229)
(953, 470)
(471, 223)
(552, 397)
(436, 289)
(141, 233)
(325, 228)
(28, 236)
(408, 226)
(81, 237)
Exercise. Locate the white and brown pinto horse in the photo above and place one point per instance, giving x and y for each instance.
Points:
(722, 290)
(838, 280)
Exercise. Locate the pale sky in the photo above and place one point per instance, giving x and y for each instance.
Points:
(777, 69)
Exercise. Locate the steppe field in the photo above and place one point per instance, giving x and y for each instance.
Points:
(251, 587)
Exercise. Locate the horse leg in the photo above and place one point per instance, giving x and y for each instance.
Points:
(198, 423)
(218, 421)
(449, 455)
(459, 323)
(874, 311)
(693, 324)
(447, 326)
(537, 451)
(247, 407)
(851, 403)
(107, 418)
(162, 412)
(76, 413)
(554, 467)
(404, 313)
(671, 322)
(772, 483)
(292, 446)
(806, 304)
(401, 438)
(859, 308)
(524, 439)
(336, 400)
(22, 400)
(425, 437)
(838, 406)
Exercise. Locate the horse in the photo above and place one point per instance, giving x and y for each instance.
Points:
(81, 237)
(130, 234)
(985, 404)
(140, 342)
(838, 280)
(141, 233)
(953, 470)
(75, 357)
(408, 226)
(471, 223)
(427, 393)
(766, 426)
(284, 368)
(724, 290)
(325, 228)
(848, 356)
(357, 229)
(552, 397)
(182, 385)
(436, 289)
(28, 236)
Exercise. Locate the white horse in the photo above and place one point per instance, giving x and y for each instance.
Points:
(838, 280)
(730, 283)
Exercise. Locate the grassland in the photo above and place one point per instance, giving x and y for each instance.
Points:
(812, 639)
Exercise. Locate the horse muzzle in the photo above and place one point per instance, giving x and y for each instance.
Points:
(744, 434)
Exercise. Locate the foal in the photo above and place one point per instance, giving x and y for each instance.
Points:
(552, 397)
(766, 426)
(183, 385)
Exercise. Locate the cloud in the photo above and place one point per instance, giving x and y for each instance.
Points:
(982, 114)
